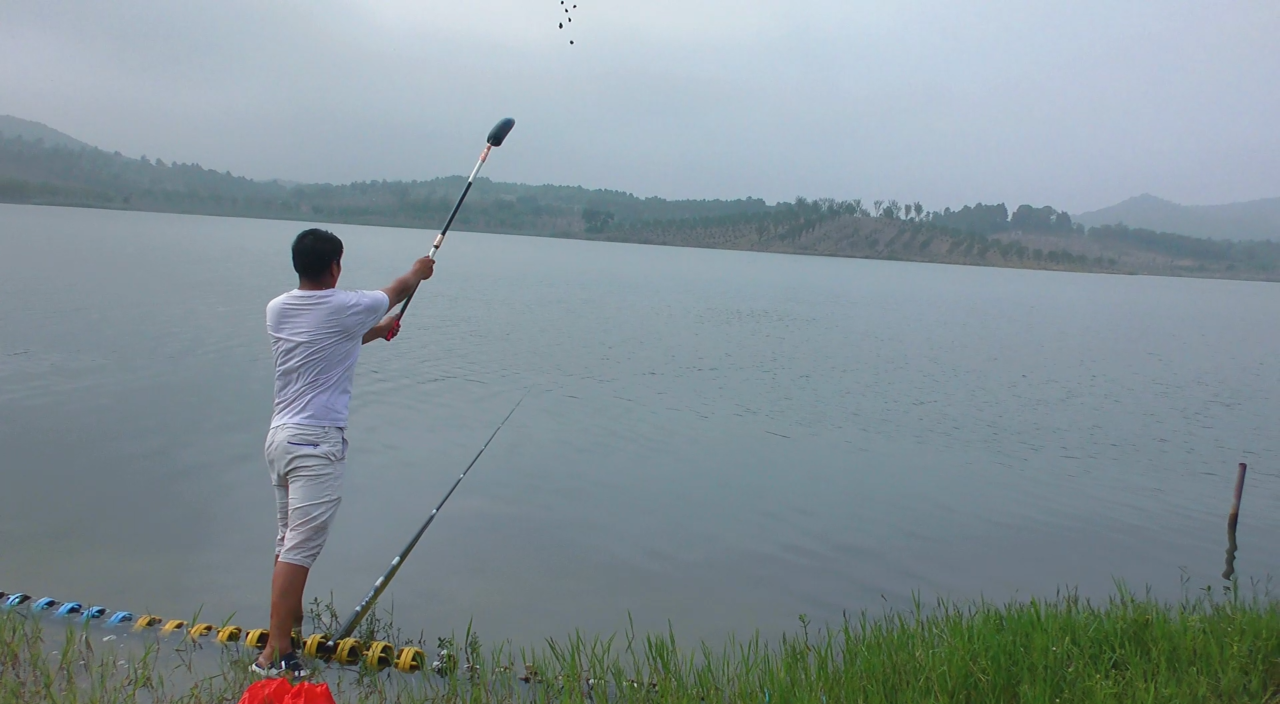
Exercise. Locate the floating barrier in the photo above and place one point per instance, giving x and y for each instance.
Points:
(120, 617)
(377, 655)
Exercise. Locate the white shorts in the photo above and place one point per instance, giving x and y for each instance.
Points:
(306, 464)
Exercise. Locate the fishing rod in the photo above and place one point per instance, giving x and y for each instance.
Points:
(496, 136)
(360, 611)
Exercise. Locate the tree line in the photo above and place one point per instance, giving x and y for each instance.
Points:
(32, 172)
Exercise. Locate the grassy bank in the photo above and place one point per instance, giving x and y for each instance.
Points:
(1129, 649)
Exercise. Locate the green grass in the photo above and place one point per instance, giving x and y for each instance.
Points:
(1132, 648)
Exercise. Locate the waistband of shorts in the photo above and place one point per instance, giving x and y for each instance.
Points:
(309, 426)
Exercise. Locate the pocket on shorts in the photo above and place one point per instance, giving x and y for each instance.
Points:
(300, 440)
(333, 444)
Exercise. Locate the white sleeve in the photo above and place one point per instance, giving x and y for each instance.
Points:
(367, 309)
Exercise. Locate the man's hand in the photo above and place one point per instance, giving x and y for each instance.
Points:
(386, 329)
(423, 268)
(408, 283)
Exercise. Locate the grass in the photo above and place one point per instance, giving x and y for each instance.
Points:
(1206, 647)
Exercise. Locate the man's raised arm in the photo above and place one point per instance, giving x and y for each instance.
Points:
(399, 290)
(402, 286)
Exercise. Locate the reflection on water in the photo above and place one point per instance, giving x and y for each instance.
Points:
(1230, 571)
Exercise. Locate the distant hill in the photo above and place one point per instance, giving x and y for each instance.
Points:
(1251, 220)
(46, 172)
(38, 168)
(11, 127)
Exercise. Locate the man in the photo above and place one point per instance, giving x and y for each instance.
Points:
(316, 334)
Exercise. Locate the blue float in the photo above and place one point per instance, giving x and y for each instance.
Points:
(120, 617)
(70, 608)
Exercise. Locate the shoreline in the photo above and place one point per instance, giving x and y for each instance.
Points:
(1130, 648)
(1270, 277)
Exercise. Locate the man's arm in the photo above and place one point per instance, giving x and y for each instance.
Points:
(389, 324)
(396, 293)
(404, 285)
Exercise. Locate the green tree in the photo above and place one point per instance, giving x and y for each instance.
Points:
(1029, 219)
(977, 219)
(596, 221)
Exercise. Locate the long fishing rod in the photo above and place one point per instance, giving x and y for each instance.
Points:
(349, 627)
(496, 136)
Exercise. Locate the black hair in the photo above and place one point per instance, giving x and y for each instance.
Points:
(314, 251)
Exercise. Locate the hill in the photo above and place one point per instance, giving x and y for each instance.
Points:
(1031, 237)
(1251, 220)
(11, 127)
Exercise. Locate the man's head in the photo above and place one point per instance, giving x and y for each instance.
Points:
(317, 257)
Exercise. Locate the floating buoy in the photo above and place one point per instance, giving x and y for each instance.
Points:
(147, 621)
(317, 646)
(95, 612)
(257, 638)
(173, 625)
(201, 629)
(44, 604)
(410, 659)
(229, 634)
(379, 655)
(347, 651)
(70, 608)
(120, 617)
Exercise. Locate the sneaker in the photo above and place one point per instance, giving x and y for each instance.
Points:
(289, 664)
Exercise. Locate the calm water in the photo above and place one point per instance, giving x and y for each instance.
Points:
(726, 440)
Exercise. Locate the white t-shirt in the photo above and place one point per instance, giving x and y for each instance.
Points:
(315, 340)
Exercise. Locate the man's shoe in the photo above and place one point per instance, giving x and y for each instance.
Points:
(289, 664)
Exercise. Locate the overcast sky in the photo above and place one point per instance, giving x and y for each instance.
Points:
(1077, 104)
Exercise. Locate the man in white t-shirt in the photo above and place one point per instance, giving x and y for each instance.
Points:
(316, 333)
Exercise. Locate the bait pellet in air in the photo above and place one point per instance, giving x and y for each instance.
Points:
(563, 4)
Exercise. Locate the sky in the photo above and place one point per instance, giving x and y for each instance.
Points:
(1076, 104)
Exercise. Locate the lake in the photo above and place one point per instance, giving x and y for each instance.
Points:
(721, 440)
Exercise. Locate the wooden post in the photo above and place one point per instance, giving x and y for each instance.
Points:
(1234, 518)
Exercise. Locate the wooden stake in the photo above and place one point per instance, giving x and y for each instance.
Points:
(1235, 503)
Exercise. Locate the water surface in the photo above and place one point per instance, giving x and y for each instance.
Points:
(724, 440)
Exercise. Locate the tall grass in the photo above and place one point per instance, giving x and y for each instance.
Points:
(1130, 648)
